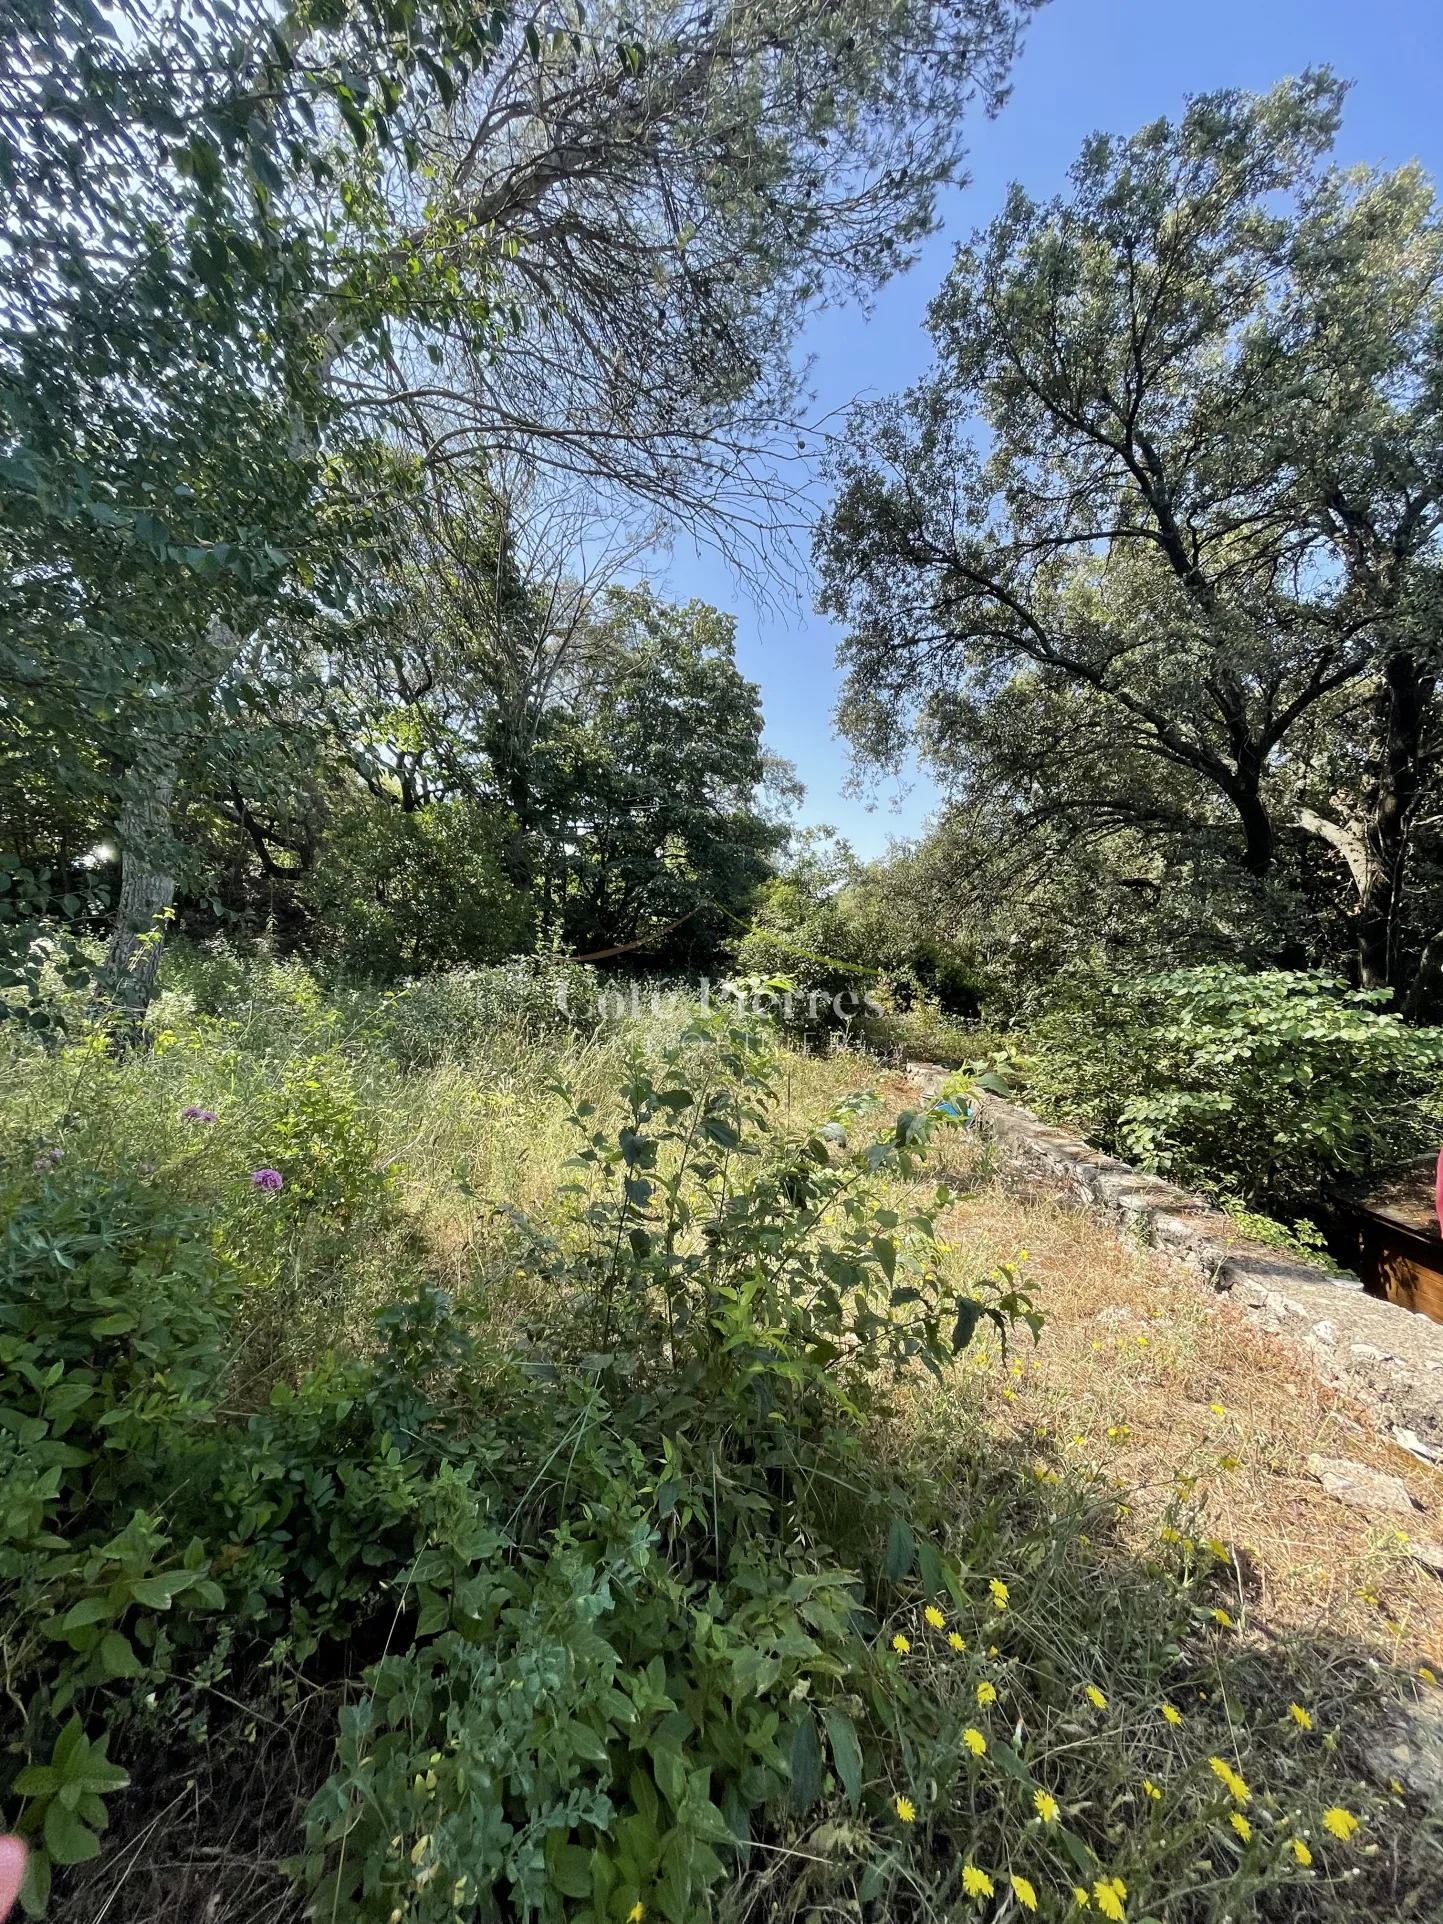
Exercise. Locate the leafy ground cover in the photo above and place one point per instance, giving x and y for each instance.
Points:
(1261, 1087)
(477, 1468)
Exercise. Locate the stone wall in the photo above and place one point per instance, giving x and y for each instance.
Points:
(1387, 1357)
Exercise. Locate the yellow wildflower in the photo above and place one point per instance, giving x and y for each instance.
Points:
(934, 1616)
(999, 1593)
(905, 1809)
(1172, 1716)
(1217, 1409)
(636, 1913)
(1222, 1617)
(1046, 1805)
(986, 1694)
(956, 1642)
(974, 1741)
(1152, 1790)
(1226, 1775)
(901, 1644)
(1216, 1547)
(1241, 1825)
(1108, 1892)
(976, 1883)
(1083, 1900)
(1339, 1822)
(1095, 1697)
(1300, 1716)
(1168, 1534)
(1426, 1674)
(1023, 1891)
(1301, 1852)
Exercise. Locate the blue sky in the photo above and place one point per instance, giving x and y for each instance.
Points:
(1087, 64)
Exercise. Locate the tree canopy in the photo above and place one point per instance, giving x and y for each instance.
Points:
(284, 287)
(1154, 550)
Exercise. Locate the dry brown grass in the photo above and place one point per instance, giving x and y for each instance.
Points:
(1147, 1375)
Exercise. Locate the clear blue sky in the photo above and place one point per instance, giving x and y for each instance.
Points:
(1087, 64)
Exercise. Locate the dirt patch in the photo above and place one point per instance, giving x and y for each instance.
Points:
(1204, 1422)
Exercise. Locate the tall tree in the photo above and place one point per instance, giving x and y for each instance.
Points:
(1157, 543)
(646, 780)
(586, 238)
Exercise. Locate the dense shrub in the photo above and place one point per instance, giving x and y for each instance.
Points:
(113, 1311)
(400, 892)
(1260, 1086)
(453, 1014)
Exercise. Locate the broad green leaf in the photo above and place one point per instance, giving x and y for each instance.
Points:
(846, 1753)
(806, 1761)
(66, 1838)
(901, 1548)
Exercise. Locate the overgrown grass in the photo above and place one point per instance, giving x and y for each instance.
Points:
(572, 1438)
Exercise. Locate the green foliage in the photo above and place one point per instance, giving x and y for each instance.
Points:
(621, 1589)
(112, 1317)
(402, 892)
(451, 1015)
(612, 1706)
(643, 786)
(1302, 1238)
(1100, 565)
(40, 953)
(863, 952)
(311, 1130)
(1261, 1086)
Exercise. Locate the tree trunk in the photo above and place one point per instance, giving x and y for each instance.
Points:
(1401, 707)
(125, 982)
(1424, 1001)
(1257, 826)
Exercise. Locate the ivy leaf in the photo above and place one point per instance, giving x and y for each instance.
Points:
(66, 1838)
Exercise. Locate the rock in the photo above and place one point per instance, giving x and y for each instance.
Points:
(1430, 1555)
(1410, 1441)
(1118, 1313)
(1409, 1746)
(1357, 1485)
(1381, 1355)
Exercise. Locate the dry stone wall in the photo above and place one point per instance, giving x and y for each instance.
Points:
(1387, 1357)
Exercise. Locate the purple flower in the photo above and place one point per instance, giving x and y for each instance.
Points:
(46, 1160)
(268, 1179)
(194, 1113)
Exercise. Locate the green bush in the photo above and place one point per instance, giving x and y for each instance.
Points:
(400, 892)
(627, 1677)
(310, 1129)
(456, 1013)
(113, 1311)
(1262, 1086)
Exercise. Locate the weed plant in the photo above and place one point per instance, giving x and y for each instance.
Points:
(519, 1424)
